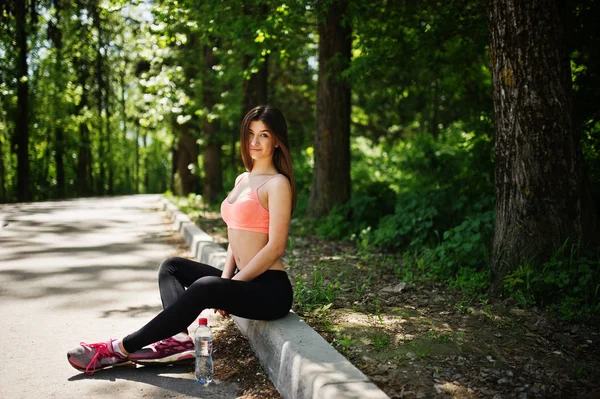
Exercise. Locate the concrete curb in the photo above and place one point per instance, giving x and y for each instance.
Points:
(299, 361)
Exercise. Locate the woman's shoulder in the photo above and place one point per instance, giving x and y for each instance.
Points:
(279, 182)
(240, 177)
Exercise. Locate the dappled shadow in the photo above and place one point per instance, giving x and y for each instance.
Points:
(34, 284)
(422, 336)
(114, 248)
(175, 379)
(133, 311)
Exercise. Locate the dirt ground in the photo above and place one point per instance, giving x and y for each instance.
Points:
(422, 340)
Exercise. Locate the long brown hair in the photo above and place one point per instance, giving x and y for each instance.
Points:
(273, 118)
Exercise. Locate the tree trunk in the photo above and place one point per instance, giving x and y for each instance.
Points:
(55, 35)
(101, 178)
(127, 156)
(109, 153)
(255, 88)
(84, 180)
(146, 166)
(187, 154)
(331, 173)
(137, 157)
(84, 156)
(173, 168)
(22, 114)
(213, 175)
(435, 130)
(542, 191)
(3, 198)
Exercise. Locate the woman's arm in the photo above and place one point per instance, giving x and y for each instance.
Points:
(280, 212)
(229, 266)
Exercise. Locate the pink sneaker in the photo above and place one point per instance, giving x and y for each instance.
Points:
(93, 357)
(167, 351)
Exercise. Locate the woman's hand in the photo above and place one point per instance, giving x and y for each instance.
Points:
(223, 313)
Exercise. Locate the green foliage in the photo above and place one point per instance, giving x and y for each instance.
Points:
(569, 282)
(380, 340)
(315, 295)
(344, 342)
(462, 256)
(410, 225)
(460, 259)
(410, 192)
(364, 209)
(425, 59)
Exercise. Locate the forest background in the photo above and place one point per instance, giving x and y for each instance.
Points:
(391, 111)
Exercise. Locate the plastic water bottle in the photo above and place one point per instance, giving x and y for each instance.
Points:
(203, 346)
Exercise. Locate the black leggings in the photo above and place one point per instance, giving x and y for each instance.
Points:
(267, 297)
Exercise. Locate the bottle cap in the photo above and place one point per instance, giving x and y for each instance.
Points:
(202, 321)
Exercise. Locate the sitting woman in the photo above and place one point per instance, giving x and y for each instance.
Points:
(253, 283)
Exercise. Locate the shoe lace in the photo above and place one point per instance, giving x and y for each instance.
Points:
(102, 351)
(170, 343)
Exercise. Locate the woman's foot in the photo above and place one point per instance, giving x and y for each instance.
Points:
(93, 357)
(168, 351)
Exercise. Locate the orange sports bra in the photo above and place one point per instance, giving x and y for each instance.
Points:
(246, 213)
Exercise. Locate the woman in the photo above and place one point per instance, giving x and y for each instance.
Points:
(253, 283)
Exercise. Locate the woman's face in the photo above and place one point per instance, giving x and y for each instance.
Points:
(261, 142)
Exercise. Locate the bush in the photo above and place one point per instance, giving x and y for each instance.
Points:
(464, 246)
(460, 259)
(364, 210)
(569, 282)
(319, 293)
(410, 225)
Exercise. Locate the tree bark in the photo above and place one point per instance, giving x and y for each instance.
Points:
(22, 114)
(84, 157)
(255, 88)
(100, 98)
(55, 35)
(2, 171)
(331, 173)
(84, 177)
(109, 152)
(137, 159)
(187, 154)
(542, 192)
(213, 175)
(127, 159)
(146, 166)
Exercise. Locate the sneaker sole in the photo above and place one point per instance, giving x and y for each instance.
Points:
(82, 369)
(177, 358)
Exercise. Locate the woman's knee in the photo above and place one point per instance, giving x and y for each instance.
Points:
(207, 286)
(169, 266)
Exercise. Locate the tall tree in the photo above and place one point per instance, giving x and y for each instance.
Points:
(82, 66)
(101, 97)
(22, 114)
(542, 191)
(213, 174)
(256, 66)
(331, 174)
(55, 35)
(186, 159)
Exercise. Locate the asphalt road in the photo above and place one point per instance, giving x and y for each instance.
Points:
(83, 270)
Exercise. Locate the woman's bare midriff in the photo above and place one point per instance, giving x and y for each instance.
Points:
(246, 244)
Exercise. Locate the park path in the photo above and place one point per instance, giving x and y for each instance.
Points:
(83, 270)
